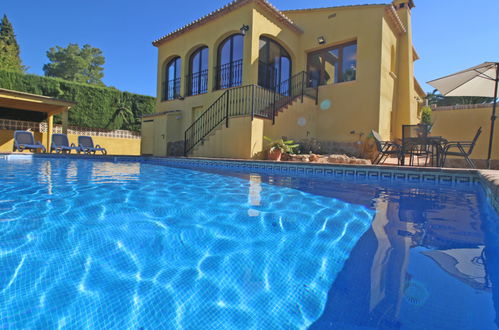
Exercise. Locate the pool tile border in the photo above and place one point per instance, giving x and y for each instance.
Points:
(489, 179)
(362, 172)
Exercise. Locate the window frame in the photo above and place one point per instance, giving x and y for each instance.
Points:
(177, 75)
(339, 69)
(230, 40)
(190, 86)
(283, 53)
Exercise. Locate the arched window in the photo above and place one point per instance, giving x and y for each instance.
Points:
(230, 62)
(197, 80)
(274, 66)
(172, 79)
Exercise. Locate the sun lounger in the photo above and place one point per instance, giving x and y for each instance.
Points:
(86, 145)
(60, 144)
(24, 140)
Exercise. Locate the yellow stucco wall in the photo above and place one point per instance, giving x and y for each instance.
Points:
(299, 121)
(351, 100)
(232, 142)
(388, 86)
(114, 146)
(462, 124)
(381, 97)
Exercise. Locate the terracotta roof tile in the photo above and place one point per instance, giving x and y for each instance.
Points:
(332, 7)
(225, 10)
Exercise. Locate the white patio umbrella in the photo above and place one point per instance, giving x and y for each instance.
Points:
(481, 80)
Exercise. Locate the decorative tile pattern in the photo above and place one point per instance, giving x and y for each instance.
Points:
(444, 177)
(429, 176)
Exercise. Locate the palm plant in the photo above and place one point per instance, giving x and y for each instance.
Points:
(122, 115)
(286, 147)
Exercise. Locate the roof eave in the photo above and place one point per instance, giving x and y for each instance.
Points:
(225, 10)
(292, 11)
(394, 18)
(35, 97)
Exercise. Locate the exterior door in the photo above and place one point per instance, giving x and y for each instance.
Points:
(147, 138)
(160, 138)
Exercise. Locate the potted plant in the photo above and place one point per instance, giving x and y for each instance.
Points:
(276, 148)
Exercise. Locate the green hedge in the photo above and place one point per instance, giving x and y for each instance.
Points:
(95, 106)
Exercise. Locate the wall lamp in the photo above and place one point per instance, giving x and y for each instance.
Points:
(244, 29)
(321, 40)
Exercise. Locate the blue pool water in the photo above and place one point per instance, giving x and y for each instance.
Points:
(87, 244)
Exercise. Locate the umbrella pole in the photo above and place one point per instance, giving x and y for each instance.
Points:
(493, 118)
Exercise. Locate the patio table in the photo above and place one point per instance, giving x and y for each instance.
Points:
(436, 143)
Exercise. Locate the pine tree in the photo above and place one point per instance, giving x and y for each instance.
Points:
(73, 63)
(9, 49)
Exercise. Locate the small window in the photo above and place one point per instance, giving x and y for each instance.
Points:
(333, 65)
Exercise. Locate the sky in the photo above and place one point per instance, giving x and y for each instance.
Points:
(449, 35)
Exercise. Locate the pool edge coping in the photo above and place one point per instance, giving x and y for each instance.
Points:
(489, 179)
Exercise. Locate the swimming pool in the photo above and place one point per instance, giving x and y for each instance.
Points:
(97, 244)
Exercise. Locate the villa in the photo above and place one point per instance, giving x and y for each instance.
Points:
(249, 70)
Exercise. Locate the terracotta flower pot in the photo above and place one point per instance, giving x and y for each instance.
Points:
(275, 154)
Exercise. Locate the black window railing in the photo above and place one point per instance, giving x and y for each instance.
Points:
(171, 89)
(197, 83)
(229, 75)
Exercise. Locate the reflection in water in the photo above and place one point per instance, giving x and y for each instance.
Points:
(433, 267)
(157, 240)
(466, 265)
(429, 261)
(254, 198)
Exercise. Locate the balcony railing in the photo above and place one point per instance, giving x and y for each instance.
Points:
(229, 75)
(197, 83)
(171, 89)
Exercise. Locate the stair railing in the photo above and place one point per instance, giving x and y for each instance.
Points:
(249, 100)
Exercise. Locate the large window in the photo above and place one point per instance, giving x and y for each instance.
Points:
(230, 62)
(197, 80)
(333, 65)
(172, 79)
(274, 66)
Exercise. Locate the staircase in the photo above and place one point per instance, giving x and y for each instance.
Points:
(245, 101)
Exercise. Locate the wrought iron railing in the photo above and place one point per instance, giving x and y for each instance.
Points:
(250, 100)
(171, 89)
(197, 83)
(229, 75)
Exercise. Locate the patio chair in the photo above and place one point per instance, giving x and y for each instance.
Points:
(464, 149)
(86, 145)
(385, 149)
(24, 140)
(60, 144)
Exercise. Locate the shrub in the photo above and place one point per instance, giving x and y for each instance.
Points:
(95, 106)
(426, 115)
